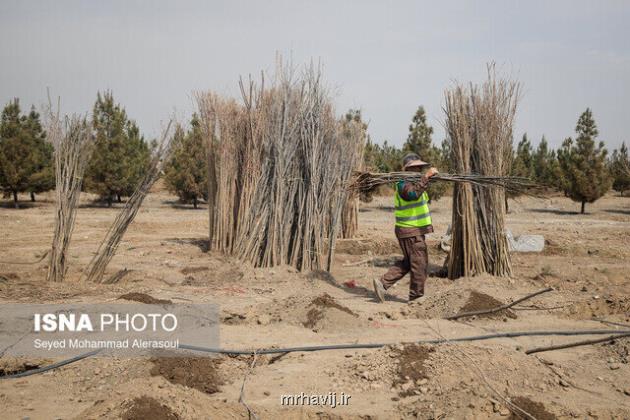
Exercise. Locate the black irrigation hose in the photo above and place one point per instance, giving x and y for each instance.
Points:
(52, 366)
(378, 345)
(337, 346)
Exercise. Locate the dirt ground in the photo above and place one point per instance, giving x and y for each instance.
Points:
(586, 261)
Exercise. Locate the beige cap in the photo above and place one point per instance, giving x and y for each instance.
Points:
(413, 159)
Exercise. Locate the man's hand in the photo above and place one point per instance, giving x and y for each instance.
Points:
(432, 171)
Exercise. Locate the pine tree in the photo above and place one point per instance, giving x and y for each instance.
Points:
(120, 154)
(419, 142)
(186, 173)
(620, 169)
(25, 156)
(382, 158)
(586, 176)
(523, 163)
(43, 179)
(545, 165)
(540, 161)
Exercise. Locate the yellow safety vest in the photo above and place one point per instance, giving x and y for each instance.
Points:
(412, 213)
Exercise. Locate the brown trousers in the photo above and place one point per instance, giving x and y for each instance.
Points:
(416, 261)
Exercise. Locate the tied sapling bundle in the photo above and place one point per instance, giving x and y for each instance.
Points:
(73, 141)
(479, 124)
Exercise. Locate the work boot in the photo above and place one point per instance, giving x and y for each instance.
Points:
(379, 290)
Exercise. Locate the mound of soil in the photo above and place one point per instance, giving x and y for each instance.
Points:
(146, 407)
(143, 298)
(455, 301)
(480, 301)
(412, 366)
(536, 409)
(318, 309)
(323, 313)
(194, 372)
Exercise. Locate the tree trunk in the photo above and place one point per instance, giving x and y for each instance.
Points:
(32, 196)
(119, 198)
(195, 201)
(109, 200)
(15, 200)
(583, 206)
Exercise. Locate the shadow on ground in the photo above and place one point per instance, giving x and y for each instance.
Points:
(183, 206)
(617, 211)
(23, 205)
(202, 243)
(555, 211)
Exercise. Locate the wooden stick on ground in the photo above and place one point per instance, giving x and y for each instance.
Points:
(576, 344)
(499, 308)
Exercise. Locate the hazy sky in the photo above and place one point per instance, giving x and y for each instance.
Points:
(385, 58)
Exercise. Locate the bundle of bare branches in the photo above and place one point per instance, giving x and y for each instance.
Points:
(277, 166)
(479, 124)
(107, 248)
(367, 181)
(72, 141)
(356, 136)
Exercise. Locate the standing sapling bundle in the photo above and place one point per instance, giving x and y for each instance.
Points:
(479, 127)
(72, 140)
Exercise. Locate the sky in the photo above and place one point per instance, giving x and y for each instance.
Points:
(383, 57)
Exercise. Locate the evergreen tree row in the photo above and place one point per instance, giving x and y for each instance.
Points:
(580, 168)
(25, 155)
(118, 162)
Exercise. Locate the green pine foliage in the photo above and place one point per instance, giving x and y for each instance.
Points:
(120, 155)
(419, 142)
(382, 158)
(620, 169)
(43, 178)
(25, 155)
(583, 164)
(186, 174)
(523, 162)
(546, 169)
